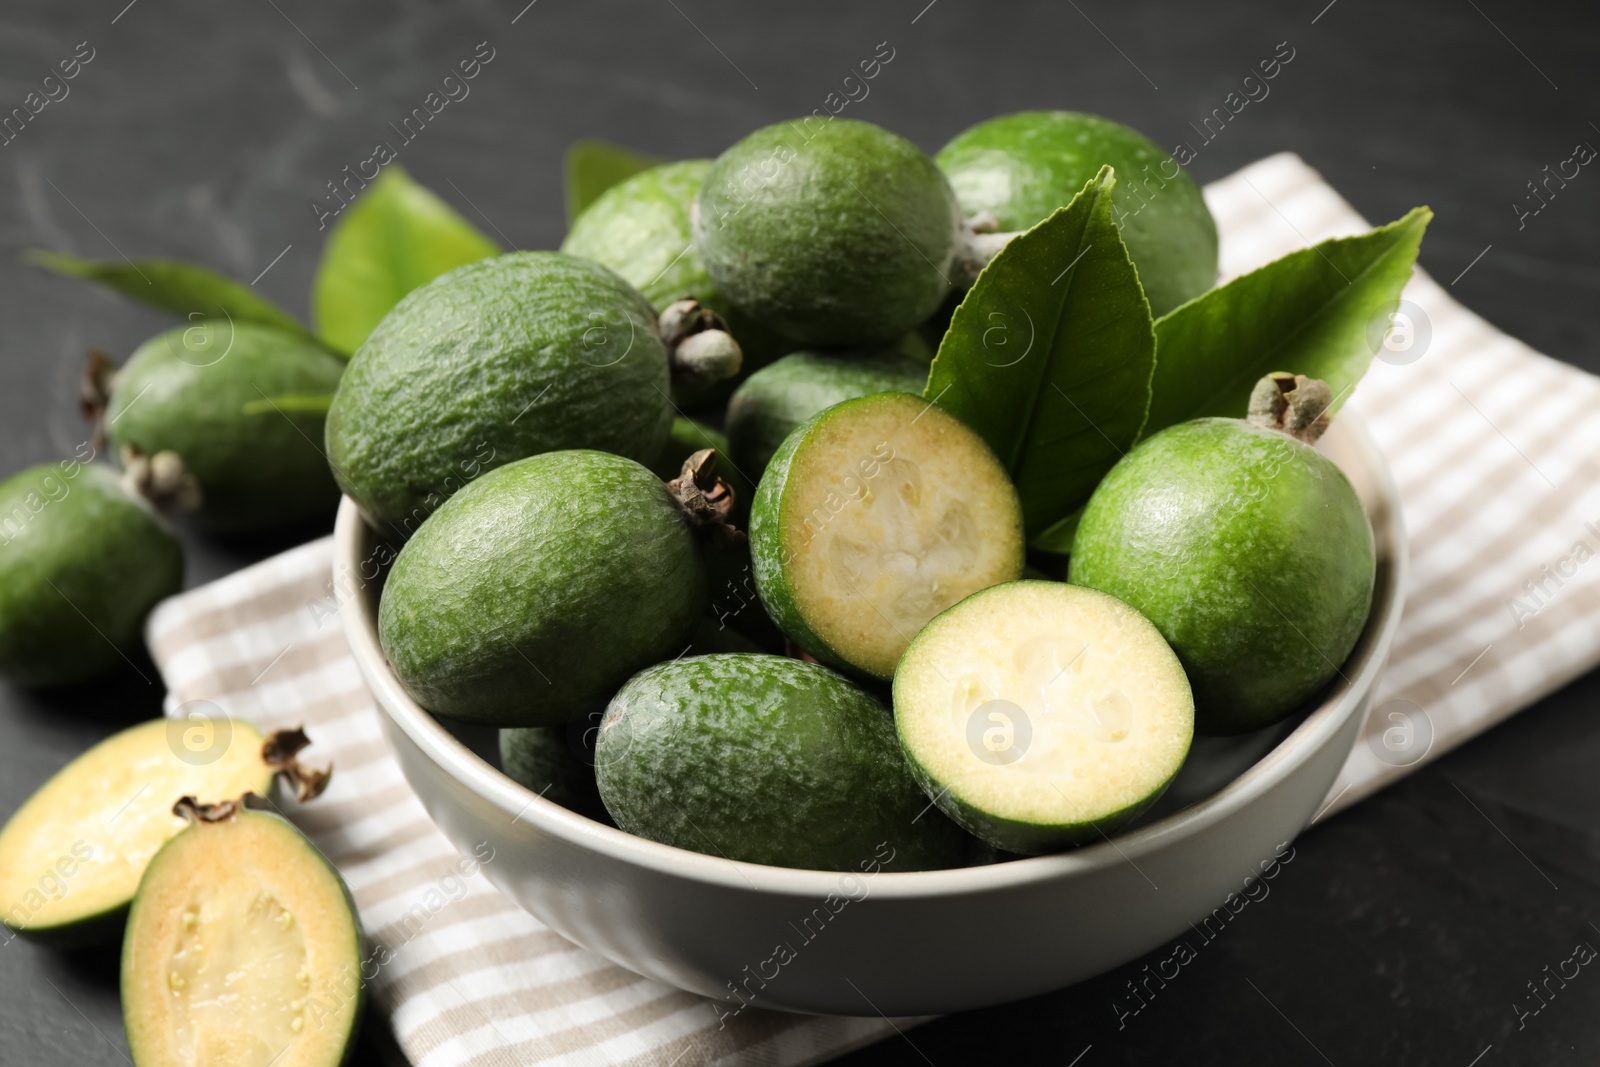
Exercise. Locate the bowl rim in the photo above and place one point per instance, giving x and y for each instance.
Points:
(522, 804)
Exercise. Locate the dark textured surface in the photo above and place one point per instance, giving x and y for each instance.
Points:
(1404, 930)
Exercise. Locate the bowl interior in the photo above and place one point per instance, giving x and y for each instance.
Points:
(1220, 775)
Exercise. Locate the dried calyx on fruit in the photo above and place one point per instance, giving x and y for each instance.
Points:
(978, 240)
(1296, 405)
(161, 479)
(279, 752)
(706, 499)
(699, 346)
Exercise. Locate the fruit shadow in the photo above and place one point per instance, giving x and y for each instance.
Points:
(129, 694)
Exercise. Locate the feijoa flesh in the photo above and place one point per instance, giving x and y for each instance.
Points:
(501, 359)
(833, 235)
(540, 588)
(228, 399)
(1247, 548)
(1040, 715)
(1020, 168)
(71, 857)
(82, 562)
(765, 759)
(242, 946)
(874, 516)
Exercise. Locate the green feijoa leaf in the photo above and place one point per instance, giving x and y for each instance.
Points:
(1057, 537)
(1049, 357)
(1311, 313)
(593, 166)
(396, 236)
(186, 289)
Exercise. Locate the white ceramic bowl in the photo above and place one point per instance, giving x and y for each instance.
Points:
(898, 943)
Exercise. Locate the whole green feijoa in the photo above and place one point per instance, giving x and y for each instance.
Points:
(541, 587)
(768, 760)
(240, 405)
(776, 399)
(1023, 167)
(508, 357)
(82, 562)
(1250, 552)
(832, 234)
(640, 229)
(541, 758)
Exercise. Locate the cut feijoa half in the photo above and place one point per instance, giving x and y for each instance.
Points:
(242, 947)
(1041, 715)
(874, 516)
(72, 855)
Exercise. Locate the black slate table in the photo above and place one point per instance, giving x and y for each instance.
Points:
(1405, 929)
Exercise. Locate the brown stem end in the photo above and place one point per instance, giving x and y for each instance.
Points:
(700, 348)
(706, 500)
(94, 392)
(278, 752)
(1291, 404)
(161, 480)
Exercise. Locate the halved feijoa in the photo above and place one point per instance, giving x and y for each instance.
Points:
(1040, 715)
(769, 760)
(72, 855)
(874, 516)
(242, 947)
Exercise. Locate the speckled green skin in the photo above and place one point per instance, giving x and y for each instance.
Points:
(504, 358)
(255, 471)
(541, 587)
(540, 758)
(640, 229)
(832, 235)
(776, 399)
(81, 565)
(1248, 550)
(767, 557)
(768, 760)
(1024, 166)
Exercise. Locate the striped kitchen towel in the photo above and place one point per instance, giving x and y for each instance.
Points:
(1495, 450)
